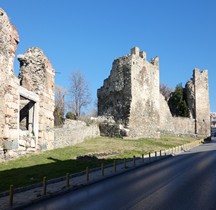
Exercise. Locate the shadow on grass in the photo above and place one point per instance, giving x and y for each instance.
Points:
(20, 177)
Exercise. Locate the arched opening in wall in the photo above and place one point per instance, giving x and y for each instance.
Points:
(27, 138)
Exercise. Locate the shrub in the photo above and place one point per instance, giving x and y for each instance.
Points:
(71, 116)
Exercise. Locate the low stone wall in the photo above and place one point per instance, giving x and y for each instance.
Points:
(183, 125)
(71, 135)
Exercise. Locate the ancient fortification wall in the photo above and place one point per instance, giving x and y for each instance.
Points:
(27, 102)
(131, 95)
(8, 92)
(145, 105)
(37, 75)
(74, 132)
(202, 108)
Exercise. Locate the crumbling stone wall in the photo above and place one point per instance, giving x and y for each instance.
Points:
(8, 89)
(131, 94)
(37, 75)
(200, 106)
(32, 92)
(145, 104)
(114, 98)
(74, 132)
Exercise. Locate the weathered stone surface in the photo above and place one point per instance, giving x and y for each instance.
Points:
(37, 75)
(8, 44)
(202, 104)
(11, 154)
(72, 134)
(11, 145)
(131, 95)
(33, 103)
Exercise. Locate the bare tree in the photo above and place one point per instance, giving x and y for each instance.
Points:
(79, 92)
(60, 93)
(166, 91)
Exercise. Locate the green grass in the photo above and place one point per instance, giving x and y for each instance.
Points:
(56, 163)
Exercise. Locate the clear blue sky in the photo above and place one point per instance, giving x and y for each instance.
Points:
(87, 35)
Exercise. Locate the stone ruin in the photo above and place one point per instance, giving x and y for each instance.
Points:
(129, 101)
(27, 102)
(131, 96)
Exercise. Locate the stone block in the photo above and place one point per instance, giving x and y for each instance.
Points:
(33, 144)
(22, 143)
(14, 134)
(11, 145)
(6, 132)
(43, 146)
(9, 112)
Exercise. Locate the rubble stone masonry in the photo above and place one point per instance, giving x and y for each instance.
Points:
(27, 102)
(131, 94)
(132, 97)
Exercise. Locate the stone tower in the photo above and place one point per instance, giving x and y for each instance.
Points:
(202, 104)
(131, 94)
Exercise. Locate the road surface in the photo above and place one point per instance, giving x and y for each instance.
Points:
(185, 181)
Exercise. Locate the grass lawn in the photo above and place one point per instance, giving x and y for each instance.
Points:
(56, 163)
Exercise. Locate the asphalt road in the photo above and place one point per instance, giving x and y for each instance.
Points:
(185, 181)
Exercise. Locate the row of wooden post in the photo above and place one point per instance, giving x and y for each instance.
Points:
(170, 151)
(87, 176)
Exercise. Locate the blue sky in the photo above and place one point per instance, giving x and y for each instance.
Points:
(88, 35)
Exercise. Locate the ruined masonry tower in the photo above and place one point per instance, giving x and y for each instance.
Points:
(131, 94)
(132, 97)
(202, 107)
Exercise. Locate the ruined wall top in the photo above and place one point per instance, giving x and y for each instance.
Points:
(135, 51)
(203, 74)
(35, 71)
(9, 39)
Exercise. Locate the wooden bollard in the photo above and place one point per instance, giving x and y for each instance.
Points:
(114, 165)
(149, 156)
(125, 163)
(87, 174)
(160, 153)
(143, 158)
(102, 168)
(11, 193)
(155, 155)
(134, 161)
(67, 180)
(44, 185)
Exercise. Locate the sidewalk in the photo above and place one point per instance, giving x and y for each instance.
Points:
(35, 193)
